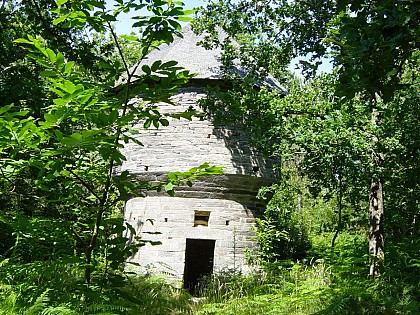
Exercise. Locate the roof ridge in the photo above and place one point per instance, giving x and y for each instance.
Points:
(204, 63)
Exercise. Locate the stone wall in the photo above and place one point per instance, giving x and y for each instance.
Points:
(230, 225)
(185, 144)
(230, 199)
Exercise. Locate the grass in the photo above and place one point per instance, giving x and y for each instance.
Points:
(329, 282)
(296, 290)
(332, 281)
(44, 288)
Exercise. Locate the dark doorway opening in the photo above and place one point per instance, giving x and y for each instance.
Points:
(199, 256)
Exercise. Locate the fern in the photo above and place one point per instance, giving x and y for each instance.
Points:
(4, 262)
(42, 307)
(41, 303)
(59, 310)
(7, 306)
(107, 309)
(8, 300)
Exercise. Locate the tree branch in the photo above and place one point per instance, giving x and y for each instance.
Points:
(85, 184)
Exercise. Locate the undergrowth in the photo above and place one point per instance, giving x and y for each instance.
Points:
(330, 281)
(298, 289)
(58, 288)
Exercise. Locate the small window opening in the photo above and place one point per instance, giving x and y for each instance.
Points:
(201, 218)
(227, 222)
(255, 168)
(209, 136)
(146, 168)
(166, 219)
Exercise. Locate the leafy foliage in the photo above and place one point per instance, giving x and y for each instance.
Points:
(281, 232)
(66, 80)
(369, 41)
(61, 197)
(58, 291)
(332, 282)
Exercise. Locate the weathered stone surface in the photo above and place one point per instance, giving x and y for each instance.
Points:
(173, 218)
(186, 144)
(230, 199)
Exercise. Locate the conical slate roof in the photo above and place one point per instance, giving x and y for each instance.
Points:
(205, 64)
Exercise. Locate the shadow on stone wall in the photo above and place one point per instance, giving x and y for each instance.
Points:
(236, 187)
(246, 160)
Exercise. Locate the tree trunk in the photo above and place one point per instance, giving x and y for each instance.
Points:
(376, 206)
(376, 233)
(340, 209)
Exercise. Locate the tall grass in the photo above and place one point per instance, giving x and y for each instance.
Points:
(330, 282)
(295, 290)
(58, 288)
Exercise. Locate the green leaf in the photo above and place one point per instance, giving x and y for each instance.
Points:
(189, 12)
(109, 18)
(130, 38)
(50, 117)
(23, 41)
(131, 228)
(5, 108)
(105, 65)
(136, 141)
(59, 20)
(69, 65)
(169, 187)
(60, 2)
(39, 60)
(21, 113)
(69, 86)
(147, 124)
(146, 69)
(4, 220)
(74, 139)
(113, 116)
(58, 134)
(156, 65)
(169, 64)
(51, 55)
(90, 133)
(164, 122)
(60, 60)
(185, 19)
(77, 136)
(172, 176)
(97, 4)
(118, 157)
(49, 73)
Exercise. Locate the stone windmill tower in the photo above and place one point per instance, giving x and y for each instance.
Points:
(207, 227)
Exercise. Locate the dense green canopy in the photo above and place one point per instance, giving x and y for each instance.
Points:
(348, 142)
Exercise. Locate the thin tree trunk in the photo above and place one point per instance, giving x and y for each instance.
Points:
(340, 210)
(376, 209)
(376, 233)
(106, 190)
